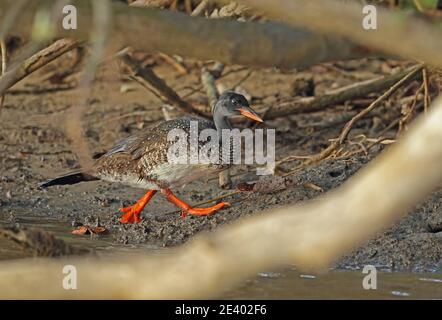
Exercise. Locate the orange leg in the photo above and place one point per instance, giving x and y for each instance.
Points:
(188, 209)
(132, 213)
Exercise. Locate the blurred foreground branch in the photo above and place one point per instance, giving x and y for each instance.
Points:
(398, 32)
(269, 44)
(309, 235)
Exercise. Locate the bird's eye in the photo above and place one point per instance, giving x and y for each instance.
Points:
(235, 101)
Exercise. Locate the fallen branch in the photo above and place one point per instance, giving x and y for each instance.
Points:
(35, 62)
(148, 78)
(332, 98)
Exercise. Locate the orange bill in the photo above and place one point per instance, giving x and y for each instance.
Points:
(248, 113)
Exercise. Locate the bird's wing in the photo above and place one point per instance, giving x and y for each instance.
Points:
(154, 139)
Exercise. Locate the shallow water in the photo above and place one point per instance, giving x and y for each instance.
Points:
(292, 284)
(286, 284)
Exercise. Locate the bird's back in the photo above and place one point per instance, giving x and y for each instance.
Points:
(143, 157)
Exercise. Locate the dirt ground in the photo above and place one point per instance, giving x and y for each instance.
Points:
(34, 147)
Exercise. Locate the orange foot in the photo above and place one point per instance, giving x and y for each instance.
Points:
(187, 209)
(132, 213)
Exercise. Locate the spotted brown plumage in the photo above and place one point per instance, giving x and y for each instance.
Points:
(141, 160)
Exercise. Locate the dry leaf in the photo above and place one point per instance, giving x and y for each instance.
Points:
(89, 230)
(80, 230)
(99, 230)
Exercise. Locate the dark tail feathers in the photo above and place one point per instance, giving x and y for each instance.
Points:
(70, 178)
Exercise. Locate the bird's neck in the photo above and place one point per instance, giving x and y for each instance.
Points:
(221, 121)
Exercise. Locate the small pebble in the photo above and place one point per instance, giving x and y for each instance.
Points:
(269, 274)
(431, 280)
(307, 276)
(400, 293)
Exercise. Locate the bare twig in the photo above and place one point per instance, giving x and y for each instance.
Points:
(409, 113)
(177, 66)
(200, 8)
(4, 54)
(426, 94)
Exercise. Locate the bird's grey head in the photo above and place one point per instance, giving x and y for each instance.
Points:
(232, 104)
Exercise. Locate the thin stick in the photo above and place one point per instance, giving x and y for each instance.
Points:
(4, 54)
(188, 6)
(410, 112)
(145, 85)
(200, 8)
(177, 66)
(3, 50)
(426, 94)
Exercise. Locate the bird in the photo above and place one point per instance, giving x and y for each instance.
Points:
(141, 160)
